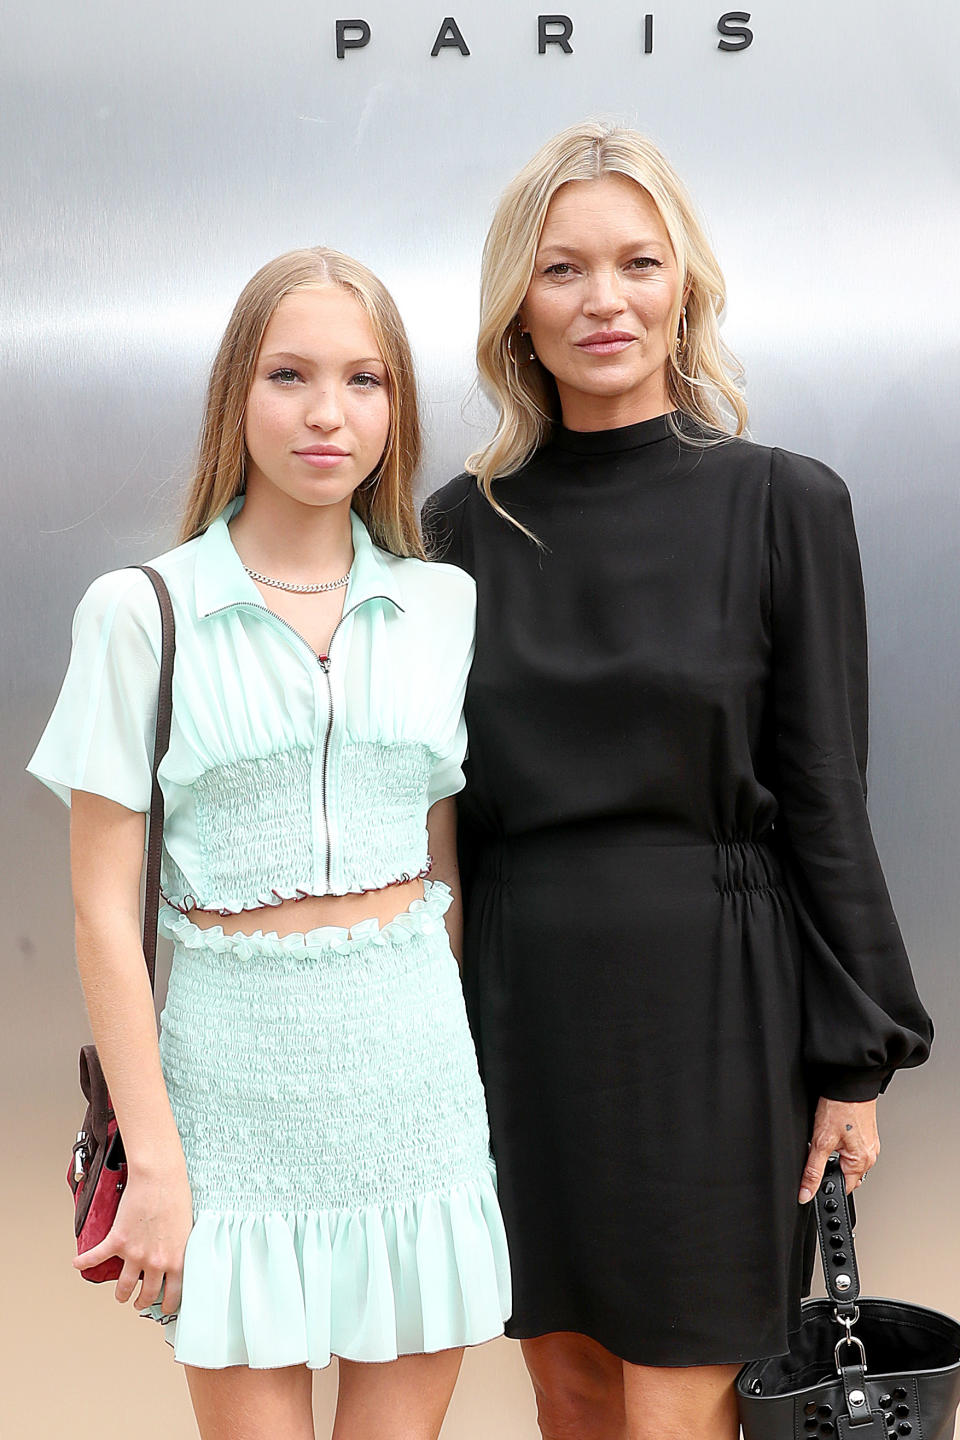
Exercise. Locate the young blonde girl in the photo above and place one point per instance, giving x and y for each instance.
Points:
(308, 1151)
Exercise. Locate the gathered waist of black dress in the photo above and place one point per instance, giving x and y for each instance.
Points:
(628, 852)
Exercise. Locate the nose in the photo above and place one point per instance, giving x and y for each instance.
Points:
(604, 295)
(325, 407)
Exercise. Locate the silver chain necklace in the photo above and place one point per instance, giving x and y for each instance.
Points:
(299, 589)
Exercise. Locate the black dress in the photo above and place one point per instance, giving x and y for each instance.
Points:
(677, 930)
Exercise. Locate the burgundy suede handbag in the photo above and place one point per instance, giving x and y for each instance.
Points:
(97, 1174)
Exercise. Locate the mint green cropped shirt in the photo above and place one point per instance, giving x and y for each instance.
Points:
(287, 775)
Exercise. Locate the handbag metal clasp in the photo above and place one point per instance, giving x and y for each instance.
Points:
(848, 1322)
(79, 1156)
(849, 1340)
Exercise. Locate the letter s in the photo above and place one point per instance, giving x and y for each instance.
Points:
(734, 26)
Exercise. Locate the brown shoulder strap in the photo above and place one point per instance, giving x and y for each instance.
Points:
(151, 904)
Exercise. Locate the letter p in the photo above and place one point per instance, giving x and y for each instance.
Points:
(351, 35)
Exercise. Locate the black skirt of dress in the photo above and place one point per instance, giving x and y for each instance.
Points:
(677, 930)
(649, 1110)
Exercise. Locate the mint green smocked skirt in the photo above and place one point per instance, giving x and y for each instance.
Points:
(326, 1091)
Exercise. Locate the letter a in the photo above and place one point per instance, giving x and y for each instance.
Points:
(449, 38)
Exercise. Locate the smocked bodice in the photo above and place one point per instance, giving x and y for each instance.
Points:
(287, 774)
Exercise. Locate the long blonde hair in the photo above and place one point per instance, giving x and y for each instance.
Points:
(702, 381)
(386, 506)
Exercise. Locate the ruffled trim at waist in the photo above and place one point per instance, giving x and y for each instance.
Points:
(423, 917)
(270, 1290)
(185, 900)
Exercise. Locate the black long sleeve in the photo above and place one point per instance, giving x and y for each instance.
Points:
(863, 1018)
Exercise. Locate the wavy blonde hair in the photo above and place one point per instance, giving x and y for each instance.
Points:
(702, 380)
(386, 506)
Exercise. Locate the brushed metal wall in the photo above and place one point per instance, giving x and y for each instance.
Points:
(154, 155)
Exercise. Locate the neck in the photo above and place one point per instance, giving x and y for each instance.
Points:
(280, 537)
(609, 412)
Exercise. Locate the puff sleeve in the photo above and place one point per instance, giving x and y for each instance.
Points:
(863, 1018)
(101, 733)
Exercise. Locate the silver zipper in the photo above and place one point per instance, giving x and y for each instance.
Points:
(325, 667)
(324, 662)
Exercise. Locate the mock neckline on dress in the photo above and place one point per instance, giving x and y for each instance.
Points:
(623, 437)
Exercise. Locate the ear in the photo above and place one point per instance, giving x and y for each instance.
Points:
(519, 321)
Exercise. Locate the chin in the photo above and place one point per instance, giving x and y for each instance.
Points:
(318, 497)
(613, 388)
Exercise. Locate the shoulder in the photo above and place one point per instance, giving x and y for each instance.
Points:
(446, 516)
(800, 483)
(120, 599)
(453, 496)
(122, 604)
(793, 482)
(431, 582)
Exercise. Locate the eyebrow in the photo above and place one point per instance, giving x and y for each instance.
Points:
(554, 247)
(276, 356)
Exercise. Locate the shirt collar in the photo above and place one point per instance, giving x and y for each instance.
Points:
(221, 581)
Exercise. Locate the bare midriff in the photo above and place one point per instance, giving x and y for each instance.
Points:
(292, 917)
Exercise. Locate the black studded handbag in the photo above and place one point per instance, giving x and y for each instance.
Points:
(857, 1369)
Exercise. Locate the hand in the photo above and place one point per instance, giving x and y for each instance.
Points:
(154, 1219)
(850, 1127)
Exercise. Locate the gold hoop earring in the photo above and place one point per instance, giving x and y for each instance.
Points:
(512, 333)
(680, 344)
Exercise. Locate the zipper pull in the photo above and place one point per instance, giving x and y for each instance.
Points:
(324, 661)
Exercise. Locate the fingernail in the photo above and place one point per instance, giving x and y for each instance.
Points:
(805, 1195)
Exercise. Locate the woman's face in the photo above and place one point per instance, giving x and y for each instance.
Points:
(599, 306)
(318, 409)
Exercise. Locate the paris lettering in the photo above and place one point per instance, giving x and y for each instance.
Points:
(554, 33)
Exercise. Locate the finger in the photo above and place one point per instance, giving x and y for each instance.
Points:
(854, 1165)
(106, 1250)
(817, 1158)
(171, 1293)
(127, 1283)
(150, 1287)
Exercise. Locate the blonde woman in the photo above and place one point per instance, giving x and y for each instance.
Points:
(681, 962)
(308, 1150)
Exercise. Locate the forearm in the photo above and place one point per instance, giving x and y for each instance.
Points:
(442, 831)
(122, 1018)
(454, 917)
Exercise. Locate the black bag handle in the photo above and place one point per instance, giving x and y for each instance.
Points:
(151, 900)
(836, 1219)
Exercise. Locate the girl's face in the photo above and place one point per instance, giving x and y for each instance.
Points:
(318, 409)
(600, 302)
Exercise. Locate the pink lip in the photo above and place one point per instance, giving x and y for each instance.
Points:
(322, 457)
(606, 342)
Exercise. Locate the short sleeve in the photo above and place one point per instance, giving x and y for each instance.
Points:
(863, 1018)
(100, 736)
(452, 644)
